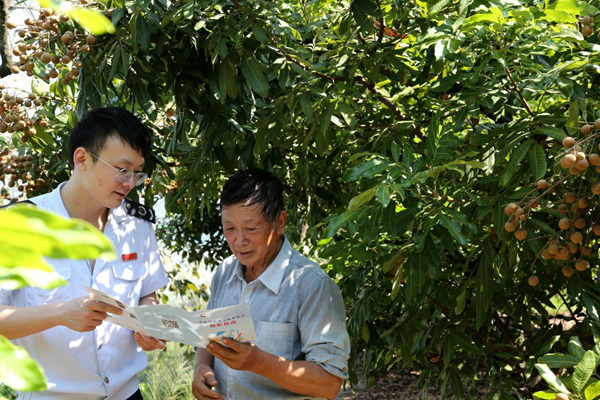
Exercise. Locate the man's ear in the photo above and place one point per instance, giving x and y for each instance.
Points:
(80, 156)
(280, 222)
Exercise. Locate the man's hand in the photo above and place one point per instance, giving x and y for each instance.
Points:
(204, 380)
(148, 343)
(84, 314)
(239, 356)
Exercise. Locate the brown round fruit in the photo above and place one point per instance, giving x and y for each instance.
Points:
(563, 208)
(586, 31)
(510, 227)
(533, 281)
(521, 234)
(546, 255)
(568, 141)
(581, 265)
(567, 271)
(570, 197)
(586, 251)
(582, 203)
(564, 224)
(542, 184)
(568, 160)
(579, 223)
(572, 247)
(66, 39)
(594, 159)
(582, 165)
(90, 39)
(576, 237)
(563, 254)
(587, 128)
(510, 208)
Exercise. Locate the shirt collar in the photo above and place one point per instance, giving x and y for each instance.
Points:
(274, 273)
(119, 213)
(58, 206)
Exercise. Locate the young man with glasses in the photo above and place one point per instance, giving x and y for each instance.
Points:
(62, 328)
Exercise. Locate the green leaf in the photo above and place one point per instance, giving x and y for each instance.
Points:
(545, 395)
(576, 348)
(558, 360)
(383, 194)
(53, 236)
(537, 161)
(366, 170)
(516, 157)
(255, 77)
(93, 21)
(550, 131)
(592, 392)
(305, 103)
(583, 372)
(363, 11)
(550, 378)
(452, 226)
(416, 276)
(484, 288)
(142, 32)
(573, 7)
(362, 198)
(339, 221)
(18, 370)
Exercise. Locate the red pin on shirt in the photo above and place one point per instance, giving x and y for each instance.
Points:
(129, 257)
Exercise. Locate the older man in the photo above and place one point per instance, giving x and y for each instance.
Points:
(302, 346)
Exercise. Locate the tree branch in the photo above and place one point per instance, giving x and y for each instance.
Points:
(5, 57)
(516, 87)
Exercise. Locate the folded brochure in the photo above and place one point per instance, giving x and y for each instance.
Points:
(195, 328)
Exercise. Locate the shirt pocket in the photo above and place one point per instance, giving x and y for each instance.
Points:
(276, 338)
(129, 272)
(37, 296)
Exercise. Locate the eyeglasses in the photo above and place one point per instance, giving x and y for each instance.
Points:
(124, 174)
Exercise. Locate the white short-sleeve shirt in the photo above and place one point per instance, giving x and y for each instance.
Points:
(104, 363)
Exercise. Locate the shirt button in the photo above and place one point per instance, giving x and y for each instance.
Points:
(106, 379)
(100, 346)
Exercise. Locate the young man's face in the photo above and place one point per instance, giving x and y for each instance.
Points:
(102, 183)
(253, 240)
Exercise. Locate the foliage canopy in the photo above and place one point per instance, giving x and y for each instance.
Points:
(402, 130)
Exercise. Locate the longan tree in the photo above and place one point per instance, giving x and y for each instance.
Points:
(440, 158)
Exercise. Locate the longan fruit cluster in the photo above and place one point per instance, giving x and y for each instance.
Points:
(573, 203)
(14, 171)
(587, 25)
(14, 115)
(50, 43)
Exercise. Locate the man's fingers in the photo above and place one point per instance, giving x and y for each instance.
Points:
(104, 307)
(234, 344)
(216, 349)
(209, 377)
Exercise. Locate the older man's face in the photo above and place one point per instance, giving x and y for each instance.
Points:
(252, 239)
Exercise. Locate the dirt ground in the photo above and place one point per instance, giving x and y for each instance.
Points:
(398, 384)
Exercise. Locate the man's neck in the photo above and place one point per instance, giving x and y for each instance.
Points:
(79, 205)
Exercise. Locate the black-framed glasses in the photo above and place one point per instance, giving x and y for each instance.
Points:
(124, 174)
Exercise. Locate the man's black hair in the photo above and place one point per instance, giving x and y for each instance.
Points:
(95, 126)
(255, 186)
